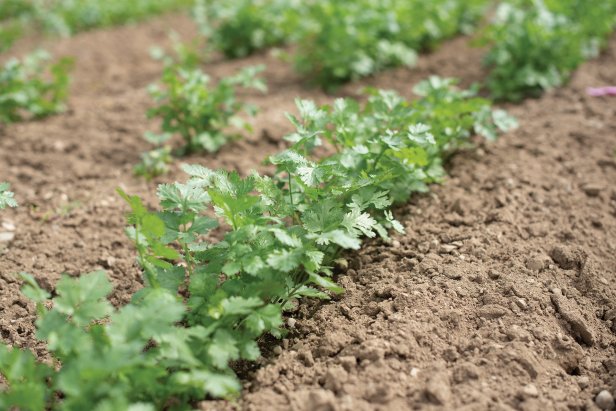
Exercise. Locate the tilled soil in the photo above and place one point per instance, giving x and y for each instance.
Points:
(501, 295)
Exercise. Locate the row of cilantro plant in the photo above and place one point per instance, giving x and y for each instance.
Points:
(66, 17)
(533, 46)
(206, 302)
(337, 40)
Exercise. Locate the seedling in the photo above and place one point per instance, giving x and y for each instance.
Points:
(7, 198)
(25, 90)
(206, 116)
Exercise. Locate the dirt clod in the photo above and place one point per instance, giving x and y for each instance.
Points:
(437, 389)
(580, 329)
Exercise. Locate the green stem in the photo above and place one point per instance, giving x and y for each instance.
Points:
(290, 192)
(376, 160)
(146, 269)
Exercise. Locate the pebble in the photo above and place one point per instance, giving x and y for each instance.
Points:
(291, 322)
(592, 190)
(492, 311)
(6, 238)
(8, 225)
(529, 391)
(494, 275)
(447, 248)
(305, 356)
(583, 382)
(521, 303)
(605, 400)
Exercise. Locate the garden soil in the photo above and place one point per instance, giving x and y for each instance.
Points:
(500, 296)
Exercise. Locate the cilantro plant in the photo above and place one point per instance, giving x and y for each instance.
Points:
(201, 113)
(134, 358)
(535, 45)
(31, 88)
(240, 28)
(7, 198)
(154, 162)
(209, 297)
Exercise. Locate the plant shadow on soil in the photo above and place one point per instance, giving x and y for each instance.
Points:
(501, 295)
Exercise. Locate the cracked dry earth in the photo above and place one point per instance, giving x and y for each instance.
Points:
(500, 296)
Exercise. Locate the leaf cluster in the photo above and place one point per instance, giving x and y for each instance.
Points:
(204, 115)
(201, 113)
(536, 44)
(134, 358)
(32, 87)
(226, 255)
(240, 28)
(7, 198)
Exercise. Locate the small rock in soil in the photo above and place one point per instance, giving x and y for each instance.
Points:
(583, 382)
(494, 275)
(447, 248)
(529, 391)
(492, 311)
(8, 225)
(6, 238)
(305, 356)
(605, 400)
(592, 190)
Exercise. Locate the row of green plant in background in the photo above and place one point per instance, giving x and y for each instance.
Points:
(225, 256)
(337, 40)
(66, 17)
(533, 45)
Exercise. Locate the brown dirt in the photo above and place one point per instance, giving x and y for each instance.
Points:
(502, 294)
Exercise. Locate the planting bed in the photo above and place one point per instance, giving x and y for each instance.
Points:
(501, 295)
